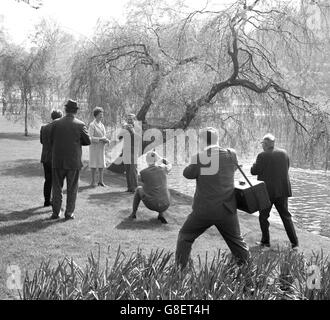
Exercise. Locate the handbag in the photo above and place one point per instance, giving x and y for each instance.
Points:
(117, 166)
(250, 197)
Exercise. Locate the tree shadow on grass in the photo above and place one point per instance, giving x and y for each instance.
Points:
(28, 227)
(19, 136)
(153, 223)
(23, 167)
(110, 179)
(109, 198)
(81, 189)
(21, 215)
(140, 223)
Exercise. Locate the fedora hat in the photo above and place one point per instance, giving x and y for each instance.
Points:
(71, 105)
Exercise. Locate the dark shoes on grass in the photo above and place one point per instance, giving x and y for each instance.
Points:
(66, 217)
(69, 217)
(132, 216)
(263, 246)
(162, 219)
(101, 184)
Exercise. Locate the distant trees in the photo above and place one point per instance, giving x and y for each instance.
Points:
(193, 59)
(35, 4)
(33, 73)
(252, 66)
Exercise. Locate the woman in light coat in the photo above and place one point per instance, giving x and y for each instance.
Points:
(96, 149)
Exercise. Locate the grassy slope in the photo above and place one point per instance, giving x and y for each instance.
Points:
(27, 237)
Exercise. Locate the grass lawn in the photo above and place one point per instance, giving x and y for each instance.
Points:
(27, 236)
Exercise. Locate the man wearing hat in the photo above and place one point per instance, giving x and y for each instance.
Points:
(272, 167)
(68, 134)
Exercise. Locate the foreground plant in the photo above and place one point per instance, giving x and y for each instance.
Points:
(282, 274)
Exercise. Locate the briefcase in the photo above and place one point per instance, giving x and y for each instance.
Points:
(252, 198)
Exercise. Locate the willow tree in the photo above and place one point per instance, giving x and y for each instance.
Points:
(33, 71)
(186, 63)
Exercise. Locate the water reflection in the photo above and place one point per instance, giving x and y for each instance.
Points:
(310, 204)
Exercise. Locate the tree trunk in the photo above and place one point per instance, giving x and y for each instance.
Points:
(141, 116)
(26, 133)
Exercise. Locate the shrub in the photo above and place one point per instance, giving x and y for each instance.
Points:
(281, 274)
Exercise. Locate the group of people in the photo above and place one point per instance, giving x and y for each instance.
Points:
(62, 140)
(214, 201)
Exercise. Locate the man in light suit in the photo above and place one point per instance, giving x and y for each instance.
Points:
(46, 156)
(272, 167)
(214, 201)
(68, 134)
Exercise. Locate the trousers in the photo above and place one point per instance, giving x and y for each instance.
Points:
(228, 227)
(281, 205)
(151, 205)
(72, 179)
(131, 176)
(48, 181)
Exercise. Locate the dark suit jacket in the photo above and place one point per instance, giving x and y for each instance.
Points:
(214, 193)
(155, 189)
(46, 153)
(272, 167)
(68, 134)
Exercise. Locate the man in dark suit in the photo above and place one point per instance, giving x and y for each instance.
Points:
(214, 201)
(131, 135)
(272, 167)
(46, 156)
(154, 193)
(67, 136)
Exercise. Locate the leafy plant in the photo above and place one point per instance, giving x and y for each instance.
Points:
(282, 274)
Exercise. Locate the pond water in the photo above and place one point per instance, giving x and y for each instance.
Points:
(309, 205)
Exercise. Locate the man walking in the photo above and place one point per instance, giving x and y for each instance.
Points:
(272, 167)
(46, 156)
(214, 201)
(67, 136)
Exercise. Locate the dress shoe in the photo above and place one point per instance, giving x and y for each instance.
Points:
(101, 184)
(132, 216)
(54, 217)
(295, 248)
(162, 219)
(68, 217)
(263, 246)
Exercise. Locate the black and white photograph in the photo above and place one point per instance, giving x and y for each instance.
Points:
(166, 155)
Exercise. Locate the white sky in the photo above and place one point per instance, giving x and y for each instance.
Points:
(75, 16)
